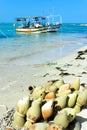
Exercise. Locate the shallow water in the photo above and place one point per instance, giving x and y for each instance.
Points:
(16, 48)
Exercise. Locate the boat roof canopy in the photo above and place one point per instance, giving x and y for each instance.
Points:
(20, 19)
(36, 18)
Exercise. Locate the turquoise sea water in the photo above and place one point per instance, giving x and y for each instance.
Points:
(36, 48)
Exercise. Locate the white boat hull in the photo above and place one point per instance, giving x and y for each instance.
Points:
(52, 29)
(30, 30)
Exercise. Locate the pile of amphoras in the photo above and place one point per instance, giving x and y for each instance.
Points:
(51, 106)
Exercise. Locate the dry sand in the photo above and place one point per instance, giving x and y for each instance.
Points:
(15, 78)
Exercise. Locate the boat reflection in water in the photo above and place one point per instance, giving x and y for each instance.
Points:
(38, 24)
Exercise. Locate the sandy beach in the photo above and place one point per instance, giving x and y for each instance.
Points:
(15, 78)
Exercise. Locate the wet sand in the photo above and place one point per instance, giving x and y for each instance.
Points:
(15, 78)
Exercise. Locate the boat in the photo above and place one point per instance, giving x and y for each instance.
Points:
(37, 24)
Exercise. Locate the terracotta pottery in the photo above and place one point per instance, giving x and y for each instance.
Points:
(39, 126)
(85, 92)
(31, 88)
(8, 128)
(52, 88)
(23, 105)
(34, 112)
(54, 127)
(77, 108)
(47, 85)
(66, 92)
(72, 99)
(18, 120)
(71, 113)
(27, 124)
(51, 106)
(61, 101)
(64, 87)
(47, 109)
(50, 95)
(59, 83)
(38, 92)
(76, 84)
(61, 119)
(82, 98)
(81, 101)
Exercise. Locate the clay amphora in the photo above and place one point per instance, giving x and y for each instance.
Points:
(18, 120)
(54, 127)
(81, 101)
(66, 92)
(61, 101)
(82, 98)
(38, 92)
(34, 112)
(47, 85)
(50, 95)
(51, 88)
(77, 108)
(47, 109)
(64, 87)
(71, 113)
(76, 84)
(72, 99)
(61, 119)
(59, 83)
(27, 124)
(31, 89)
(23, 105)
(39, 126)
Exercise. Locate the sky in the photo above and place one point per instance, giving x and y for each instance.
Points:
(72, 11)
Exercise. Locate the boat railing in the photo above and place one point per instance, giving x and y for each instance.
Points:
(56, 19)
